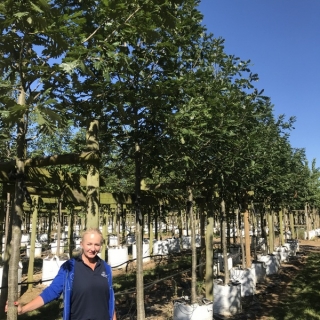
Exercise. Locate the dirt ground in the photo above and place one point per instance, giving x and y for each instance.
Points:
(160, 296)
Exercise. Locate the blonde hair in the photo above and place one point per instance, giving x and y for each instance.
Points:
(92, 230)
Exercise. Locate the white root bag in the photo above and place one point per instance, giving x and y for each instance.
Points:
(184, 311)
(19, 276)
(50, 268)
(247, 279)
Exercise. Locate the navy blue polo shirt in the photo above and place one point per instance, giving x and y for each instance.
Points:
(90, 292)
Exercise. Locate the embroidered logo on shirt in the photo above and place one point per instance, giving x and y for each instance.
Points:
(103, 274)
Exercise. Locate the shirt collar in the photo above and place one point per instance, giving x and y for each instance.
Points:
(79, 259)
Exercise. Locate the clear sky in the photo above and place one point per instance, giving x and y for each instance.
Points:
(282, 40)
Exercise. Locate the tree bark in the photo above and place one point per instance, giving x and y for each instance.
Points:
(271, 231)
(247, 237)
(139, 236)
(93, 176)
(193, 245)
(7, 249)
(209, 255)
(70, 231)
(17, 213)
(306, 213)
(281, 235)
(292, 229)
(151, 233)
(58, 159)
(104, 233)
(224, 242)
(33, 241)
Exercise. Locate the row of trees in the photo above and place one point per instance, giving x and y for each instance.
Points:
(146, 99)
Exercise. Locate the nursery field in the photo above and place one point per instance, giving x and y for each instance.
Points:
(292, 294)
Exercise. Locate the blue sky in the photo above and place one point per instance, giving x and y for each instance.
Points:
(282, 40)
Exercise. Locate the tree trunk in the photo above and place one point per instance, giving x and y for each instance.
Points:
(234, 225)
(271, 231)
(2, 225)
(151, 233)
(123, 224)
(292, 229)
(70, 231)
(247, 237)
(59, 227)
(281, 235)
(156, 221)
(33, 241)
(7, 248)
(189, 212)
(104, 233)
(202, 228)
(209, 255)
(306, 214)
(224, 242)
(118, 220)
(17, 213)
(49, 226)
(180, 222)
(139, 236)
(93, 177)
(114, 221)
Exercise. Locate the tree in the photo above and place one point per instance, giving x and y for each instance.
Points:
(30, 41)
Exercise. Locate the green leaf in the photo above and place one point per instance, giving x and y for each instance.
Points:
(36, 8)
(69, 66)
(20, 14)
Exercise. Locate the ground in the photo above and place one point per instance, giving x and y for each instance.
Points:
(159, 296)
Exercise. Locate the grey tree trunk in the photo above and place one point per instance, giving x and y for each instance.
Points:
(270, 235)
(306, 213)
(224, 242)
(247, 238)
(93, 177)
(209, 255)
(151, 233)
(281, 235)
(180, 222)
(292, 229)
(70, 231)
(59, 227)
(193, 246)
(33, 240)
(139, 236)
(104, 234)
(17, 213)
(7, 248)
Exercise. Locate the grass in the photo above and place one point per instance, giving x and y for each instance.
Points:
(302, 301)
